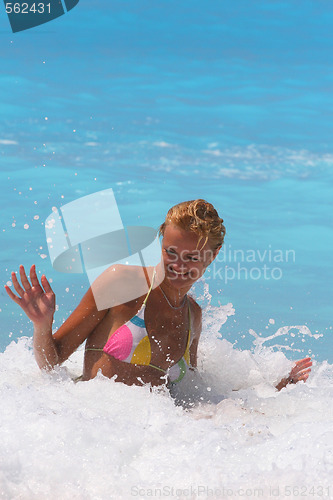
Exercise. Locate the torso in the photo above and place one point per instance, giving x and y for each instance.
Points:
(167, 331)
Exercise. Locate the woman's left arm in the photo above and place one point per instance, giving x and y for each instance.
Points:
(300, 371)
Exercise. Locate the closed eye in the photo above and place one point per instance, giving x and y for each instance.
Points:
(192, 258)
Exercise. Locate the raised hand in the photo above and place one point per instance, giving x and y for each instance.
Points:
(37, 300)
(300, 371)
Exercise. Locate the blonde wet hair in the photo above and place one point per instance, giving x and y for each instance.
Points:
(200, 217)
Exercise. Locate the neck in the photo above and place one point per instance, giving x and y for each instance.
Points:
(175, 298)
(174, 295)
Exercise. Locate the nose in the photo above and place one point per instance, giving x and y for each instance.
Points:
(177, 264)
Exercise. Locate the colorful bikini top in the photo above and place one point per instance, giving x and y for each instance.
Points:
(130, 343)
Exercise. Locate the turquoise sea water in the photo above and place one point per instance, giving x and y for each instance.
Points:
(167, 101)
(164, 101)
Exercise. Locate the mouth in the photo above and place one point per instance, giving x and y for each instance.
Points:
(180, 274)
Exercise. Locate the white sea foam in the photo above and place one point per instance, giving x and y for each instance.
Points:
(264, 162)
(8, 142)
(224, 429)
(162, 144)
(253, 162)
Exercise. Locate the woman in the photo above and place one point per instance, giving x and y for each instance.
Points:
(152, 338)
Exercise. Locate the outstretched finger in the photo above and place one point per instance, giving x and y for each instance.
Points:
(304, 360)
(299, 375)
(17, 285)
(46, 284)
(303, 363)
(305, 371)
(33, 277)
(300, 369)
(12, 295)
(304, 376)
(24, 279)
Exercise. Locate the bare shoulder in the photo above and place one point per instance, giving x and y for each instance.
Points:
(121, 272)
(120, 284)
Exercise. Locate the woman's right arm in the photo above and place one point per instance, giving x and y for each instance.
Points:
(38, 302)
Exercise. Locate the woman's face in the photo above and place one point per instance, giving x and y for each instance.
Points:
(184, 259)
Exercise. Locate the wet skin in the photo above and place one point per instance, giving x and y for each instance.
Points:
(184, 261)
